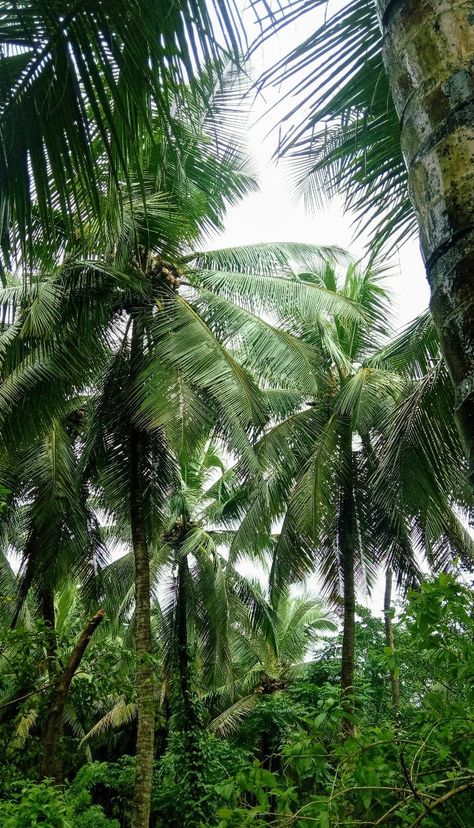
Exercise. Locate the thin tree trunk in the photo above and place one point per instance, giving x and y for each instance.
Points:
(189, 711)
(143, 644)
(195, 813)
(51, 765)
(429, 54)
(347, 548)
(48, 615)
(387, 610)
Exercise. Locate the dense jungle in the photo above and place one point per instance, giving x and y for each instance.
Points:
(237, 548)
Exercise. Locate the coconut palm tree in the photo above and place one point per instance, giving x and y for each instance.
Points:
(269, 656)
(348, 499)
(48, 524)
(381, 124)
(196, 596)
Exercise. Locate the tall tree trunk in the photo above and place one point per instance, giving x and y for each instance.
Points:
(194, 814)
(48, 616)
(189, 710)
(143, 645)
(387, 611)
(429, 57)
(347, 547)
(51, 764)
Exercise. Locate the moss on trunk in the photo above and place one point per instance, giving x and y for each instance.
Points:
(429, 56)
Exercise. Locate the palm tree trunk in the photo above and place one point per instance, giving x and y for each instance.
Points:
(428, 54)
(143, 644)
(51, 765)
(347, 548)
(48, 615)
(189, 712)
(193, 760)
(389, 638)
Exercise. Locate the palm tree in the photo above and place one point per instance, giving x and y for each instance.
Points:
(389, 640)
(435, 127)
(48, 523)
(347, 498)
(268, 656)
(197, 597)
(50, 526)
(382, 133)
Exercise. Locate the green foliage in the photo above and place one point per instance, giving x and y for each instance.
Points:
(182, 404)
(186, 788)
(347, 139)
(33, 804)
(415, 769)
(107, 73)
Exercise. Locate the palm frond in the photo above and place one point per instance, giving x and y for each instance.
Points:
(269, 258)
(122, 713)
(230, 720)
(343, 132)
(414, 352)
(103, 72)
(24, 724)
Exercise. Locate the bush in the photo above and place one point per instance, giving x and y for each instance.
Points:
(43, 804)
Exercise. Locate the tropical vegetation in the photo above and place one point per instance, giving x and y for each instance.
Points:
(211, 457)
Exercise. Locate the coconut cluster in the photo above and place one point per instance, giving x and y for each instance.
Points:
(164, 271)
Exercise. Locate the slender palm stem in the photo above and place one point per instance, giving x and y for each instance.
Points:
(193, 759)
(389, 638)
(347, 546)
(189, 711)
(48, 615)
(143, 643)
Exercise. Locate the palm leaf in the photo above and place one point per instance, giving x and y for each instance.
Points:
(102, 69)
(122, 713)
(349, 137)
(230, 720)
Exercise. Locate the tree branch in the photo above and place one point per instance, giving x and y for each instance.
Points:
(439, 802)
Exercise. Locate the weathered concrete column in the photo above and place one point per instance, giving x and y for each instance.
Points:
(429, 57)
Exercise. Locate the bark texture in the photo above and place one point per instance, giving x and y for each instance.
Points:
(194, 811)
(347, 548)
(387, 611)
(143, 644)
(48, 615)
(51, 765)
(189, 712)
(429, 57)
